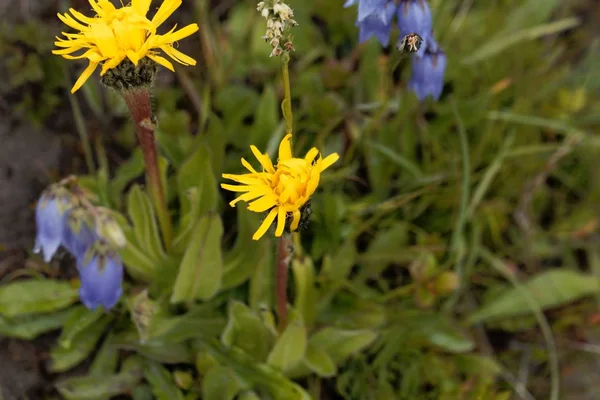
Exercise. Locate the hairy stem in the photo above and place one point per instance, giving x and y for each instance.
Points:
(286, 106)
(140, 105)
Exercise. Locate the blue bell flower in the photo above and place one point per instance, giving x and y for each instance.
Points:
(414, 16)
(50, 219)
(367, 7)
(378, 25)
(80, 233)
(427, 78)
(101, 275)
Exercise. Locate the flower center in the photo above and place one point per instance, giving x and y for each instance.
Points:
(289, 182)
(119, 32)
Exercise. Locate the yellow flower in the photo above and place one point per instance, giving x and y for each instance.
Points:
(283, 189)
(115, 34)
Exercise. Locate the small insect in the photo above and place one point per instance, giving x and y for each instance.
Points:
(410, 43)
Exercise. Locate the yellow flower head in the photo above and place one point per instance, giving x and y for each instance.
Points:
(115, 34)
(282, 189)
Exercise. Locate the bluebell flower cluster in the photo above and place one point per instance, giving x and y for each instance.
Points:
(62, 220)
(375, 19)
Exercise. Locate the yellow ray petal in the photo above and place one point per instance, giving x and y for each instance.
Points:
(111, 63)
(99, 11)
(68, 50)
(84, 76)
(263, 204)
(236, 188)
(141, 6)
(285, 148)
(280, 221)
(133, 56)
(295, 220)
(68, 20)
(107, 6)
(80, 16)
(266, 224)
(263, 159)
(312, 184)
(248, 179)
(68, 43)
(105, 40)
(245, 197)
(166, 9)
(181, 33)
(312, 153)
(162, 61)
(248, 166)
(178, 55)
(91, 55)
(329, 160)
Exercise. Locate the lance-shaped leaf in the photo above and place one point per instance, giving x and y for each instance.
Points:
(201, 269)
(35, 296)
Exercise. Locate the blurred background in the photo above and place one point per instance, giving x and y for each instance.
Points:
(496, 184)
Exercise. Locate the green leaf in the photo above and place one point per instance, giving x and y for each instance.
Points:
(162, 383)
(30, 326)
(142, 392)
(164, 352)
(80, 319)
(81, 346)
(449, 339)
(216, 142)
(398, 159)
(290, 347)
(106, 359)
(247, 331)
(549, 289)
(262, 282)
(137, 263)
(221, 383)
(35, 296)
(341, 344)
(126, 172)
(145, 227)
(248, 395)
(201, 268)
(247, 254)
(340, 264)
(499, 44)
(305, 301)
(101, 386)
(318, 361)
(199, 321)
(187, 222)
(256, 374)
(265, 119)
(197, 172)
(236, 102)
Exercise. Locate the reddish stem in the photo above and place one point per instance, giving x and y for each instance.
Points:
(139, 102)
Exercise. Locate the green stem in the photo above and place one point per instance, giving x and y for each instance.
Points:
(140, 105)
(286, 106)
(81, 127)
(284, 243)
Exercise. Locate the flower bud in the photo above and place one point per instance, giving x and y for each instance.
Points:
(108, 228)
